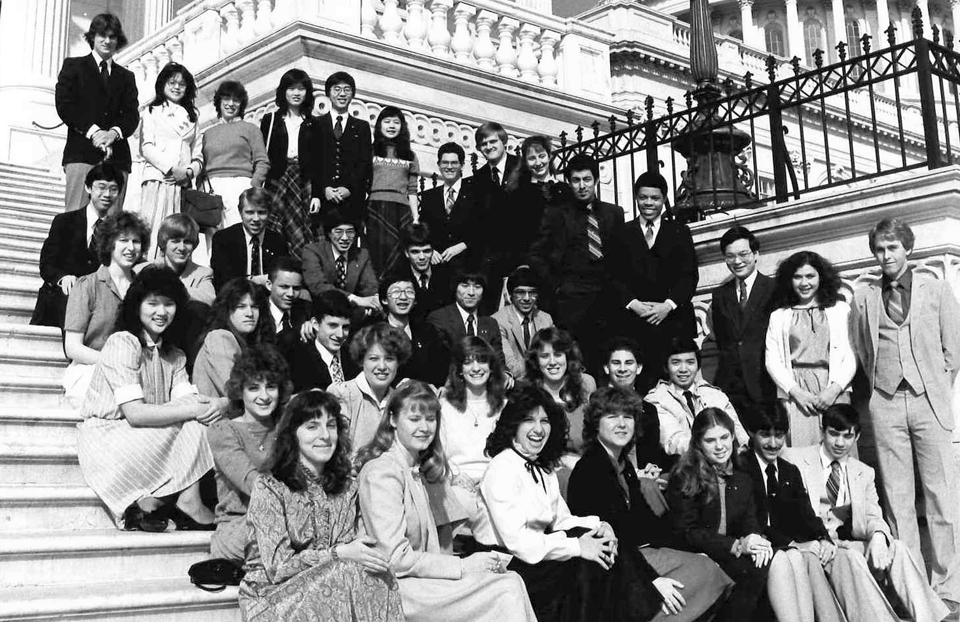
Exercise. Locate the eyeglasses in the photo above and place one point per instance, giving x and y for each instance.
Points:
(742, 256)
(340, 233)
(105, 188)
(401, 293)
(525, 293)
(341, 90)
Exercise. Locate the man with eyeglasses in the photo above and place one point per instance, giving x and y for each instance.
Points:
(740, 312)
(450, 211)
(399, 298)
(336, 263)
(70, 250)
(521, 319)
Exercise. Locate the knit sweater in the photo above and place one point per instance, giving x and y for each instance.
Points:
(235, 149)
(394, 179)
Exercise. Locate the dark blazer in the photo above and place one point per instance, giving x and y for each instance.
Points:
(740, 335)
(228, 256)
(522, 214)
(427, 355)
(320, 270)
(648, 440)
(307, 369)
(695, 521)
(347, 162)
(439, 292)
(449, 325)
(280, 140)
(462, 225)
(791, 517)
(64, 253)
(82, 100)
(300, 312)
(492, 204)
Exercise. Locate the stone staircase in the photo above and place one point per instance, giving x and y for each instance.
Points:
(60, 555)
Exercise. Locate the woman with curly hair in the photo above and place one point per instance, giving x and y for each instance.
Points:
(712, 512)
(405, 455)
(527, 516)
(657, 582)
(470, 406)
(94, 301)
(554, 362)
(305, 560)
(143, 434)
(240, 318)
(808, 351)
(378, 350)
(258, 387)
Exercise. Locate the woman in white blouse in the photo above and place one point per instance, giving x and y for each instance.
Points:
(470, 406)
(527, 516)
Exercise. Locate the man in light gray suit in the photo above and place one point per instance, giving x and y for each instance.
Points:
(521, 319)
(905, 330)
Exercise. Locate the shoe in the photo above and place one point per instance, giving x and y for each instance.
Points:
(185, 523)
(954, 608)
(132, 517)
(135, 519)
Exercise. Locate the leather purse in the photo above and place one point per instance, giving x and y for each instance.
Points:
(202, 204)
(214, 575)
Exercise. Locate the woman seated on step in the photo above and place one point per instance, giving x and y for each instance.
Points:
(305, 560)
(259, 385)
(239, 319)
(94, 302)
(144, 435)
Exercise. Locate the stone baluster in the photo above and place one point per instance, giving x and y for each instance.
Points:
(264, 23)
(136, 68)
(231, 36)
(284, 12)
(526, 57)
(391, 24)
(368, 19)
(175, 47)
(439, 37)
(151, 69)
(415, 30)
(483, 47)
(462, 42)
(162, 54)
(548, 68)
(506, 54)
(248, 20)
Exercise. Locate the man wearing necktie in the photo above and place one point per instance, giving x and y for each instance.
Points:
(336, 262)
(463, 318)
(842, 492)
(247, 249)
(655, 271)
(521, 319)
(322, 361)
(451, 212)
(905, 330)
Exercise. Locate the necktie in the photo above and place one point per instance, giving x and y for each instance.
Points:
(594, 243)
(743, 294)
(833, 483)
(772, 487)
(338, 127)
(424, 284)
(451, 199)
(526, 332)
(688, 395)
(627, 477)
(285, 321)
(494, 175)
(336, 371)
(341, 272)
(895, 303)
(95, 236)
(104, 73)
(255, 268)
(648, 234)
(471, 331)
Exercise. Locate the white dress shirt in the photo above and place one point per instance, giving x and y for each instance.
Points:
(464, 314)
(842, 492)
(247, 240)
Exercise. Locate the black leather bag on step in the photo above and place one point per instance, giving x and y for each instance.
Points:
(201, 204)
(214, 575)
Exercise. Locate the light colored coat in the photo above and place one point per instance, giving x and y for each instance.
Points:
(511, 335)
(167, 139)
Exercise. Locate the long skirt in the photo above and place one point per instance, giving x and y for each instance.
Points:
(76, 380)
(805, 430)
(474, 597)
(385, 221)
(158, 199)
(291, 208)
(123, 464)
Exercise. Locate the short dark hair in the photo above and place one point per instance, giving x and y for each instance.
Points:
(162, 281)
(393, 341)
(841, 417)
(679, 345)
(177, 226)
(116, 224)
(294, 77)
(333, 218)
(106, 23)
(416, 234)
(332, 302)
(622, 343)
(739, 233)
(769, 416)
(522, 400)
(229, 298)
(104, 172)
(394, 276)
(650, 179)
(892, 228)
(453, 148)
(285, 264)
(829, 292)
(582, 162)
(608, 400)
(524, 276)
(490, 127)
(258, 197)
(261, 364)
(467, 276)
(231, 88)
(339, 77)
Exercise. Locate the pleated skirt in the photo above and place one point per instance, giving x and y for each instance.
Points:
(385, 221)
(291, 208)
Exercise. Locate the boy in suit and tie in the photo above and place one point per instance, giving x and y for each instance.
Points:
(450, 211)
(337, 263)
(70, 250)
(291, 313)
(247, 249)
(905, 330)
(97, 101)
(843, 493)
(521, 319)
(321, 362)
(463, 319)
(431, 282)
(399, 298)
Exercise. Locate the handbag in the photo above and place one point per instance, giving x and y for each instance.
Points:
(202, 204)
(214, 575)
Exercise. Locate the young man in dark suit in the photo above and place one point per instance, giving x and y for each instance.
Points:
(336, 262)
(247, 249)
(345, 162)
(399, 298)
(463, 318)
(318, 363)
(450, 211)
(97, 101)
(740, 312)
(70, 250)
(290, 312)
(571, 255)
(654, 266)
(431, 282)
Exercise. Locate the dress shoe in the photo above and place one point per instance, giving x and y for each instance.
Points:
(185, 523)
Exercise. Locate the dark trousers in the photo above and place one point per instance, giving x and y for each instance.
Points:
(584, 313)
(748, 598)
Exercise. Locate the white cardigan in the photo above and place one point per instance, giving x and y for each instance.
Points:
(842, 361)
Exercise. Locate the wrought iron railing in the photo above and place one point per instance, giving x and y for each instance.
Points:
(810, 131)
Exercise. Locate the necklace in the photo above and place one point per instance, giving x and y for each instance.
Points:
(260, 439)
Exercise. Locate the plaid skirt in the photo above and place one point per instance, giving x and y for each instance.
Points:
(291, 208)
(385, 221)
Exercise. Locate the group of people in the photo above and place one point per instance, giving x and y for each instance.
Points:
(414, 412)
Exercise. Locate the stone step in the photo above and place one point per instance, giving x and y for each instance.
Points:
(23, 391)
(39, 426)
(29, 211)
(28, 244)
(16, 227)
(18, 297)
(31, 351)
(32, 189)
(52, 508)
(37, 463)
(19, 262)
(9, 168)
(57, 558)
(168, 600)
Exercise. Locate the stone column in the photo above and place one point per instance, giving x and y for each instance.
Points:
(746, 22)
(156, 14)
(839, 27)
(883, 22)
(795, 31)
